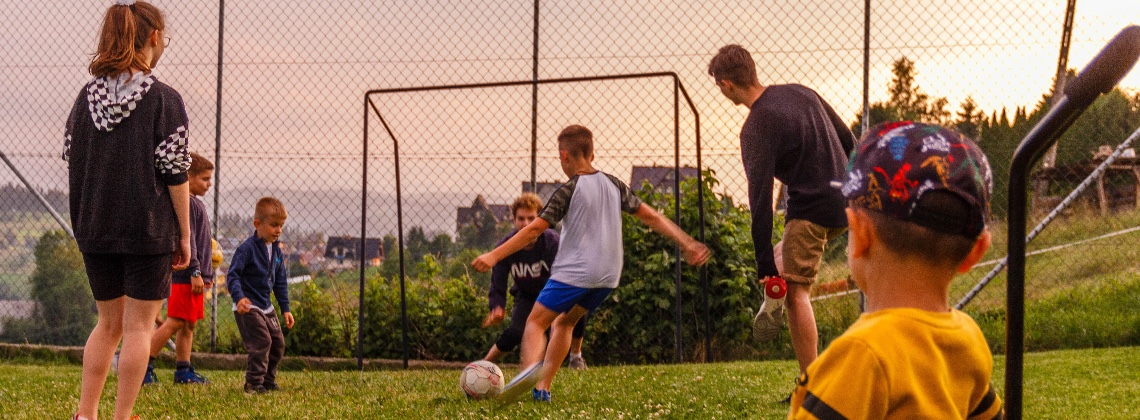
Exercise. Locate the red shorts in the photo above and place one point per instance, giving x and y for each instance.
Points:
(185, 305)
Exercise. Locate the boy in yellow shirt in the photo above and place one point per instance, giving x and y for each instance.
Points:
(917, 198)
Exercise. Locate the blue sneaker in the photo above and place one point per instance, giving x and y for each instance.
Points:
(517, 387)
(189, 376)
(150, 377)
(540, 395)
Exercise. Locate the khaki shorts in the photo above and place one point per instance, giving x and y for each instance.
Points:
(801, 249)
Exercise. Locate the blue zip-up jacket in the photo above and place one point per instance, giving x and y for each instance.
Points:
(253, 274)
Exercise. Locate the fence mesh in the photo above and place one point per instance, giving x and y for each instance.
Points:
(293, 75)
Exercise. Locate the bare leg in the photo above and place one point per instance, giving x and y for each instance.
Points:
(494, 354)
(801, 323)
(138, 329)
(97, 355)
(576, 345)
(561, 333)
(533, 347)
(163, 333)
(184, 343)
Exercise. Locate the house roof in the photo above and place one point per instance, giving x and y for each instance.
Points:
(474, 213)
(660, 177)
(344, 247)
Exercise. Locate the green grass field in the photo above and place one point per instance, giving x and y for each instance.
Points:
(1094, 383)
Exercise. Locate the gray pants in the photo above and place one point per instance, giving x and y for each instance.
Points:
(261, 335)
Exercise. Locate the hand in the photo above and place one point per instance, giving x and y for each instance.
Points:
(483, 263)
(243, 306)
(197, 286)
(289, 320)
(696, 253)
(182, 255)
(494, 317)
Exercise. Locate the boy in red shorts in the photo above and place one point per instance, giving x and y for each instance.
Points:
(186, 306)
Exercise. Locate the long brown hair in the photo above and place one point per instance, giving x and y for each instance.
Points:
(125, 32)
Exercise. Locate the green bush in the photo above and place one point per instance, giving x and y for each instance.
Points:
(65, 309)
(636, 324)
(444, 317)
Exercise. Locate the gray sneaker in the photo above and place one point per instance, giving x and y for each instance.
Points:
(577, 363)
(768, 321)
(521, 383)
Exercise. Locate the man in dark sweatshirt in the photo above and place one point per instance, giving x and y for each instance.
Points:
(793, 135)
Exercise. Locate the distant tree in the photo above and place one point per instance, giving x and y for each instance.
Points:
(64, 312)
(969, 118)
(441, 246)
(416, 242)
(906, 100)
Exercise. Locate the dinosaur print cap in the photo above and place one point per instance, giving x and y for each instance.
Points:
(897, 165)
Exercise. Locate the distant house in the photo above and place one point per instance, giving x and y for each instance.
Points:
(544, 189)
(479, 208)
(660, 177)
(341, 250)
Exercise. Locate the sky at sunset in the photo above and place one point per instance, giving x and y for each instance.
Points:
(296, 73)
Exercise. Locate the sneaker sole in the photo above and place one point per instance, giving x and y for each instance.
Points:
(520, 384)
(766, 326)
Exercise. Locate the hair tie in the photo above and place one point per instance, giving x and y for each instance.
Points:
(124, 2)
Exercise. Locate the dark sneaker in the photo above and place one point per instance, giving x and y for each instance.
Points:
(254, 389)
(150, 377)
(270, 386)
(521, 382)
(189, 376)
(577, 363)
(540, 395)
(787, 400)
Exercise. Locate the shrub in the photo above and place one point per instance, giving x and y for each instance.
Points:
(65, 309)
(636, 324)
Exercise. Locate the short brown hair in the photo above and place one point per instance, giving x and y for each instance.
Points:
(733, 63)
(528, 201)
(199, 164)
(910, 239)
(577, 140)
(269, 207)
(125, 32)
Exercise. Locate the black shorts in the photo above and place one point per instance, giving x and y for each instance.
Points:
(142, 277)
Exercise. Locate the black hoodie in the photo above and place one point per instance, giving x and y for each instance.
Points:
(125, 142)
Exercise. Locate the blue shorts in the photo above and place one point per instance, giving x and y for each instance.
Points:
(561, 297)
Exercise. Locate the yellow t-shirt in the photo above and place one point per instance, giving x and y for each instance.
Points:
(901, 363)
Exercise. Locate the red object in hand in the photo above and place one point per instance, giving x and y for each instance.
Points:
(775, 288)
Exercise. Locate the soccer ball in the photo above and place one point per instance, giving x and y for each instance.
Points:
(481, 379)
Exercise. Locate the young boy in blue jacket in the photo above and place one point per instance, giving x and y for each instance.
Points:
(258, 269)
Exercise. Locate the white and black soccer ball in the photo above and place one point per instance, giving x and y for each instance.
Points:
(481, 379)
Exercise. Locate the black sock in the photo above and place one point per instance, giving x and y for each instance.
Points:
(151, 361)
(181, 365)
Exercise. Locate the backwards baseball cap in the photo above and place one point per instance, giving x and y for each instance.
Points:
(923, 174)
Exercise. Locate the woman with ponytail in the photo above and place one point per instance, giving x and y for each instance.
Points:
(126, 146)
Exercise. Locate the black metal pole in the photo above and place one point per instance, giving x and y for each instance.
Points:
(866, 67)
(534, 109)
(677, 214)
(1099, 76)
(363, 242)
(217, 166)
(399, 234)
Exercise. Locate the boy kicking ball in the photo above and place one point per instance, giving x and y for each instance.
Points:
(917, 199)
(589, 261)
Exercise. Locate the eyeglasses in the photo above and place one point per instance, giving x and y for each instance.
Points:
(166, 40)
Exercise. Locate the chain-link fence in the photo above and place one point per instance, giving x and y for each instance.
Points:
(285, 120)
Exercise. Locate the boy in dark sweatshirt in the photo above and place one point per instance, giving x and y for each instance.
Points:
(258, 269)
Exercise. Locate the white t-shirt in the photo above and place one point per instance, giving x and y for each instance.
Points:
(590, 250)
